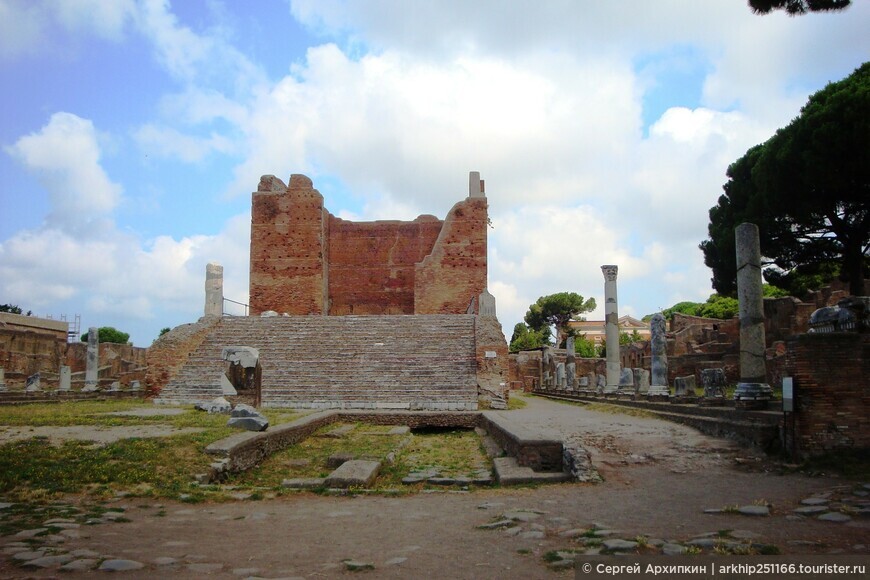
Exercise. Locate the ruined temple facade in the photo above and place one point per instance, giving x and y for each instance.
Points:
(304, 260)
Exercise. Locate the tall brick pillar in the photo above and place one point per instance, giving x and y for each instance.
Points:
(289, 265)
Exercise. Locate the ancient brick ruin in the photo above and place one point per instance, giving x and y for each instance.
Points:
(304, 260)
(386, 314)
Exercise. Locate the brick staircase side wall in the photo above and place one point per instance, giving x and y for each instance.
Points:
(492, 371)
(168, 354)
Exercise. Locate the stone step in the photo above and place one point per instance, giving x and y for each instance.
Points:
(343, 358)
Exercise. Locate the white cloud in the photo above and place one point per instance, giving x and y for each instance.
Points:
(21, 25)
(65, 156)
(26, 26)
(407, 130)
(194, 57)
(168, 142)
(106, 19)
(79, 255)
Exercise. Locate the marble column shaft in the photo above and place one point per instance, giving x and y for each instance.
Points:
(753, 371)
(658, 348)
(65, 378)
(570, 364)
(611, 326)
(92, 365)
(214, 289)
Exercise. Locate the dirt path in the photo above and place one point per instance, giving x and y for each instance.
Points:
(659, 479)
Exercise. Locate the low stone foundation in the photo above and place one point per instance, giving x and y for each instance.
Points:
(245, 450)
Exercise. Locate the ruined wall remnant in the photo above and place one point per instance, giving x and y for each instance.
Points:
(371, 264)
(288, 247)
(832, 399)
(306, 261)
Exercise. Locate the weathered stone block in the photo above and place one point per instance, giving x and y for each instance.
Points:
(354, 473)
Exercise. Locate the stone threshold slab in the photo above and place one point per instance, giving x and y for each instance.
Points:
(509, 472)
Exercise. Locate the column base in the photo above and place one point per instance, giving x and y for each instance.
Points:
(610, 389)
(658, 390)
(753, 392)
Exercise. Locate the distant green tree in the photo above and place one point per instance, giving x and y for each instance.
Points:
(10, 308)
(628, 338)
(690, 308)
(524, 338)
(163, 331)
(557, 310)
(109, 334)
(797, 7)
(586, 348)
(718, 306)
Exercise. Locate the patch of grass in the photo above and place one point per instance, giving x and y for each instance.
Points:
(551, 556)
(165, 464)
(524, 551)
(516, 402)
(769, 550)
(359, 442)
(620, 410)
(642, 541)
(37, 471)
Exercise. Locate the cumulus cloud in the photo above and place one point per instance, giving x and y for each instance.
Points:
(195, 57)
(398, 127)
(65, 156)
(80, 256)
(161, 141)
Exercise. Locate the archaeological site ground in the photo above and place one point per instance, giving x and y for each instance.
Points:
(366, 417)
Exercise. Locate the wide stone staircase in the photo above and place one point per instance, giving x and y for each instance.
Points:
(342, 362)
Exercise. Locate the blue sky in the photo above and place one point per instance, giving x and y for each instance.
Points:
(133, 132)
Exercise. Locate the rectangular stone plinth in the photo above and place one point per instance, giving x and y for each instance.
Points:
(354, 473)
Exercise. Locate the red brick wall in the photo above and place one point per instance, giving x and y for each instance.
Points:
(371, 264)
(288, 247)
(455, 272)
(306, 261)
(831, 375)
(25, 352)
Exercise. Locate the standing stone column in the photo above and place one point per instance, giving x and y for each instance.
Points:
(560, 376)
(548, 370)
(659, 365)
(2, 379)
(92, 365)
(753, 372)
(611, 328)
(65, 382)
(214, 289)
(570, 364)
